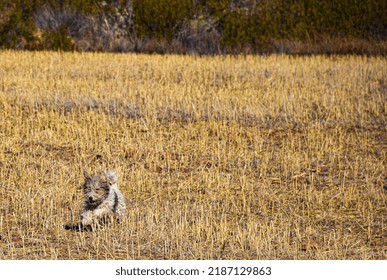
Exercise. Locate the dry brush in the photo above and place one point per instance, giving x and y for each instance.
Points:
(272, 157)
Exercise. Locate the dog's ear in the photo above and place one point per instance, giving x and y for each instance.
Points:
(103, 178)
(109, 177)
(87, 176)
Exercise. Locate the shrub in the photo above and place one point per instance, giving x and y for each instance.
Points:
(160, 18)
(18, 29)
(58, 39)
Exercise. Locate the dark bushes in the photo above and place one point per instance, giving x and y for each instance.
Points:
(196, 26)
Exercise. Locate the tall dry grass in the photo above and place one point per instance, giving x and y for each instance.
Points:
(250, 157)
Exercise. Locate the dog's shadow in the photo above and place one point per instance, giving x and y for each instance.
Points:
(102, 223)
(78, 227)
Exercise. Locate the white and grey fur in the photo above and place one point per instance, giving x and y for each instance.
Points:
(102, 199)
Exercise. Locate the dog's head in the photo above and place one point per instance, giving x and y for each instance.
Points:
(96, 188)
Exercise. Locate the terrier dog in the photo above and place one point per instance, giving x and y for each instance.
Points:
(103, 199)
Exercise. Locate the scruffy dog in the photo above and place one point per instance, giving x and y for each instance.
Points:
(103, 200)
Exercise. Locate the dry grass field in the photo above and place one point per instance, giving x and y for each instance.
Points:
(272, 157)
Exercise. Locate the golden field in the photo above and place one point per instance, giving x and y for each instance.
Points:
(271, 157)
